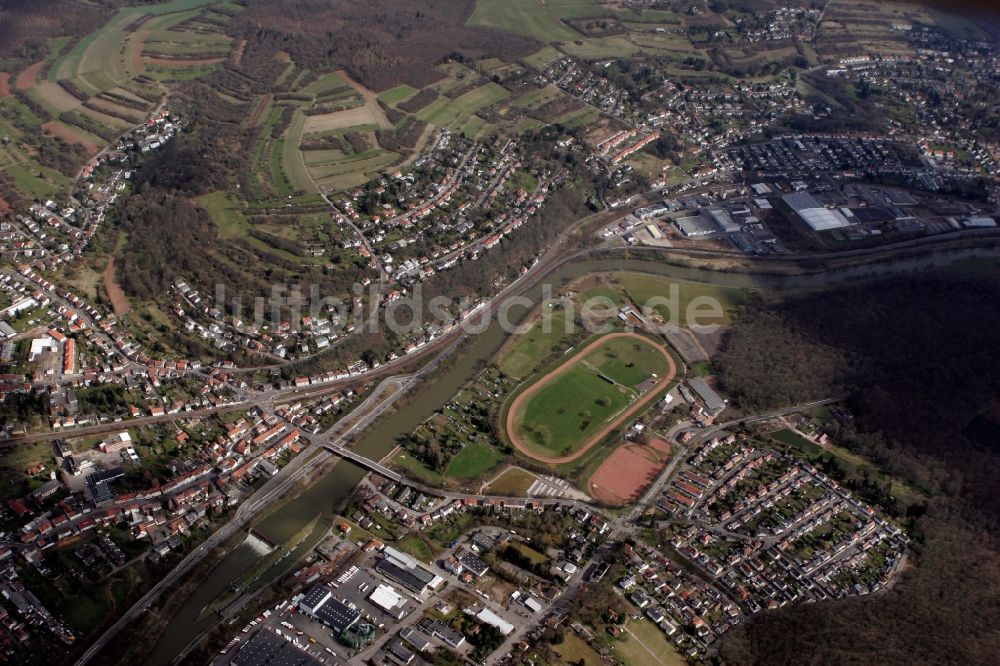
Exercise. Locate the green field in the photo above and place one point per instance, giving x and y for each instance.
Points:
(575, 650)
(563, 414)
(569, 410)
(443, 112)
(292, 163)
(513, 482)
(541, 59)
(536, 98)
(327, 82)
(530, 18)
(529, 552)
(644, 644)
(577, 9)
(97, 58)
(397, 94)
(352, 170)
(526, 351)
(414, 468)
(600, 48)
(224, 213)
(642, 288)
(482, 97)
(472, 461)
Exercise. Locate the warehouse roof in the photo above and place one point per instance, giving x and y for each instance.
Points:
(266, 649)
(814, 213)
(713, 402)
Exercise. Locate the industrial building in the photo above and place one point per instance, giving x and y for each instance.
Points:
(473, 564)
(267, 649)
(413, 637)
(389, 601)
(320, 604)
(724, 220)
(813, 213)
(696, 226)
(487, 616)
(408, 572)
(713, 403)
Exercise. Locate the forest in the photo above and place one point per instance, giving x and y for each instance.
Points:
(918, 361)
(381, 44)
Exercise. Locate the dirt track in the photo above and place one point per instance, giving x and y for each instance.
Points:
(4, 84)
(603, 432)
(29, 77)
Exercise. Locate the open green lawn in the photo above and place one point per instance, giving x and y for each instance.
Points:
(352, 170)
(575, 650)
(472, 461)
(443, 112)
(568, 411)
(628, 361)
(536, 98)
(416, 546)
(529, 552)
(225, 214)
(530, 18)
(577, 9)
(529, 349)
(684, 297)
(413, 467)
(35, 180)
(570, 408)
(643, 644)
(793, 438)
(324, 83)
(513, 482)
(97, 57)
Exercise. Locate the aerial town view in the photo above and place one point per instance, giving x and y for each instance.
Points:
(496, 332)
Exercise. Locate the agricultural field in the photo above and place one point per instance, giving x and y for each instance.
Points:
(87, 92)
(541, 59)
(481, 97)
(530, 18)
(562, 414)
(396, 95)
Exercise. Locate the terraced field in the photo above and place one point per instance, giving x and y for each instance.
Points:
(88, 91)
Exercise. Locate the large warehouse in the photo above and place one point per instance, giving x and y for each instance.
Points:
(407, 571)
(320, 604)
(814, 213)
(388, 600)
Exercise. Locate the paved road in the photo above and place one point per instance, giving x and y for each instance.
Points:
(269, 493)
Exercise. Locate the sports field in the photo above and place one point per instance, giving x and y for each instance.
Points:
(564, 413)
(627, 471)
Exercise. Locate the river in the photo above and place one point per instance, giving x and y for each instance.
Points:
(327, 496)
